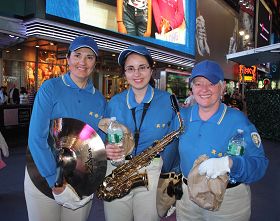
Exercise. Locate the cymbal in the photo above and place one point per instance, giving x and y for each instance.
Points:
(80, 154)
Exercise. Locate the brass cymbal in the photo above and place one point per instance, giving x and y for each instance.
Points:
(80, 154)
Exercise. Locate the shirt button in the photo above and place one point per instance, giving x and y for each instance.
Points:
(79, 101)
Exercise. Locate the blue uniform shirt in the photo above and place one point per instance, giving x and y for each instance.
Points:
(156, 124)
(60, 98)
(211, 137)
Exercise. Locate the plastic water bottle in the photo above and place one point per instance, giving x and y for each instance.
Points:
(236, 147)
(115, 137)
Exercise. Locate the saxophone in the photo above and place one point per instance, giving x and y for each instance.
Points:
(125, 177)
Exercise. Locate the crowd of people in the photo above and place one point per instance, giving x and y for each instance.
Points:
(209, 126)
(17, 96)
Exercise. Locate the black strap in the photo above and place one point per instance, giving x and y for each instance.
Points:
(137, 130)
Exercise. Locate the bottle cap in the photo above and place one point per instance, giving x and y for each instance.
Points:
(240, 131)
(113, 118)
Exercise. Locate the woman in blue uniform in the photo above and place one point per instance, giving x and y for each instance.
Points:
(146, 111)
(210, 125)
(70, 96)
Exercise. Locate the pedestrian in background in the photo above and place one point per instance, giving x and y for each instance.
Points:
(14, 95)
(210, 125)
(70, 96)
(189, 100)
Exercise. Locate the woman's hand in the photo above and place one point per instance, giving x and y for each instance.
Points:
(58, 190)
(114, 152)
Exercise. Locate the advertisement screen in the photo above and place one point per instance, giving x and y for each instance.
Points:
(216, 34)
(263, 24)
(168, 23)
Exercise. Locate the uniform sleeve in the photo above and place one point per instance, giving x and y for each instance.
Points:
(99, 131)
(252, 166)
(38, 134)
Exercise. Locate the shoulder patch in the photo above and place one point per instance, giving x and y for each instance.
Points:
(256, 139)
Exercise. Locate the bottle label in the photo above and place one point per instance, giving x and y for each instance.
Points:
(235, 150)
(115, 138)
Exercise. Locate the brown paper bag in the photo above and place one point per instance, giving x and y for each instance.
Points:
(205, 192)
(168, 191)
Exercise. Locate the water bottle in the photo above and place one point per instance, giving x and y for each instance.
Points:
(236, 147)
(115, 137)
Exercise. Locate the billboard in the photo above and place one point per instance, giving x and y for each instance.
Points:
(167, 23)
(263, 24)
(216, 34)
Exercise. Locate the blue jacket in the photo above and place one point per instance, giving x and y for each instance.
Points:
(156, 124)
(211, 137)
(60, 98)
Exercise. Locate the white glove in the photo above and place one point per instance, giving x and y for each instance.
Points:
(69, 198)
(214, 167)
(4, 146)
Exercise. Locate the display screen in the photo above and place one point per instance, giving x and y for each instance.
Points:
(264, 19)
(168, 23)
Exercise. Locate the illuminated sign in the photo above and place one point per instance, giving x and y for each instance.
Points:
(166, 23)
(249, 73)
(263, 24)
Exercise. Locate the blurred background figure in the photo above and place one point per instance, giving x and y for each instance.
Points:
(14, 95)
(3, 150)
(31, 95)
(189, 100)
(23, 97)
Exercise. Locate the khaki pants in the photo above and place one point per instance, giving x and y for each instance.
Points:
(140, 203)
(42, 208)
(236, 206)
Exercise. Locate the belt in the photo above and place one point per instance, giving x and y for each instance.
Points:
(230, 185)
(129, 157)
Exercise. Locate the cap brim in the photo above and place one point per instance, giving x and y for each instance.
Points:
(85, 46)
(213, 80)
(127, 52)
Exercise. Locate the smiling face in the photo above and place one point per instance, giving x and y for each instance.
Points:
(137, 72)
(206, 94)
(81, 63)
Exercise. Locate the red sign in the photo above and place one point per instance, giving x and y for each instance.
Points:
(249, 73)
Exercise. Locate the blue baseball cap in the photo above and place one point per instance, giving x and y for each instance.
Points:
(208, 69)
(84, 42)
(135, 49)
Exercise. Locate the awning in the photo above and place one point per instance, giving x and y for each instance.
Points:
(265, 54)
(12, 31)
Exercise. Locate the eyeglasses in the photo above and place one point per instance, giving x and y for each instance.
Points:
(140, 69)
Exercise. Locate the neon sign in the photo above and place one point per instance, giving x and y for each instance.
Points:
(249, 73)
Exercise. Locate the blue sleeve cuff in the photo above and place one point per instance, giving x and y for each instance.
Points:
(236, 165)
(51, 180)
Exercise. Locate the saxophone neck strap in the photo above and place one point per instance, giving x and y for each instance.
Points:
(137, 129)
